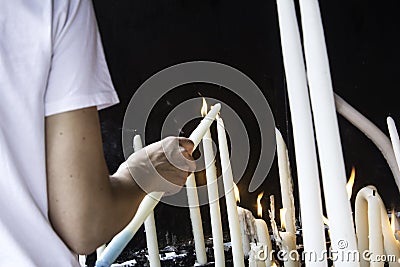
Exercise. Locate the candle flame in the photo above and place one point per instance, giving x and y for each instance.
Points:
(393, 222)
(259, 207)
(326, 220)
(283, 218)
(204, 108)
(350, 183)
(236, 192)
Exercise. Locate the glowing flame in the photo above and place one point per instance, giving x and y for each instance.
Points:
(326, 220)
(204, 108)
(393, 222)
(283, 218)
(259, 207)
(236, 191)
(350, 183)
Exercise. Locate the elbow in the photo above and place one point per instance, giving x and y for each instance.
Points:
(80, 237)
(82, 245)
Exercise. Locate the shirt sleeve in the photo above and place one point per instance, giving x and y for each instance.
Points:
(79, 75)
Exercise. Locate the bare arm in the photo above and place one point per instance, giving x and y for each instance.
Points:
(87, 207)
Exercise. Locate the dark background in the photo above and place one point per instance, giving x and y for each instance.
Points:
(143, 37)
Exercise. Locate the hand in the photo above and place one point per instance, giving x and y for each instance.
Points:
(162, 166)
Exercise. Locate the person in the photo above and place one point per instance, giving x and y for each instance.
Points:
(57, 198)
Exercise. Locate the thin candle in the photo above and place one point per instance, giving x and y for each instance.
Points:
(303, 133)
(233, 219)
(327, 133)
(394, 138)
(286, 183)
(149, 223)
(373, 132)
(263, 237)
(213, 196)
(195, 219)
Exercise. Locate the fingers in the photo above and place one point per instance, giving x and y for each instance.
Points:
(164, 165)
(187, 144)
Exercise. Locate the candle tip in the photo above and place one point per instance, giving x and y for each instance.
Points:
(218, 106)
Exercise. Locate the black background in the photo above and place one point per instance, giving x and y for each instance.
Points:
(143, 37)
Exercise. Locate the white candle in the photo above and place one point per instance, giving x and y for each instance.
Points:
(368, 208)
(149, 202)
(149, 223)
(264, 239)
(195, 218)
(327, 133)
(257, 255)
(286, 183)
(213, 197)
(394, 137)
(233, 219)
(288, 245)
(247, 228)
(375, 235)
(191, 190)
(303, 134)
(372, 132)
(82, 260)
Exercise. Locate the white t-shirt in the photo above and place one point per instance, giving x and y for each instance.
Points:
(51, 61)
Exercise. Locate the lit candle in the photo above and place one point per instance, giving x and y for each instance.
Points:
(288, 242)
(286, 183)
(303, 134)
(247, 224)
(327, 134)
(233, 219)
(394, 224)
(263, 237)
(149, 202)
(213, 196)
(373, 227)
(191, 190)
(257, 255)
(149, 223)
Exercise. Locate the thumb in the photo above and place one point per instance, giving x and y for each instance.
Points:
(187, 144)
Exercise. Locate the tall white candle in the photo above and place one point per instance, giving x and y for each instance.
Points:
(149, 223)
(149, 202)
(233, 219)
(213, 196)
(327, 133)
(191, 190)
(303, 134)
(195, 218)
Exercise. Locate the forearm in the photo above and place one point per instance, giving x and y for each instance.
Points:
(87, 207)
(90, 215)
